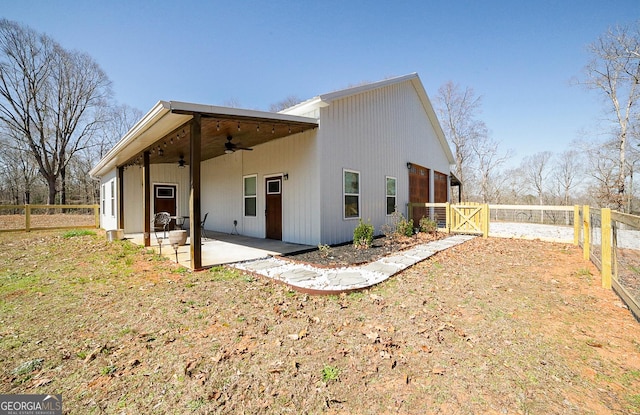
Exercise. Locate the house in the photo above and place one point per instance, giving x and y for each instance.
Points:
(304, 175)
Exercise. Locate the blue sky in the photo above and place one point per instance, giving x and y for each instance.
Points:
(519, 55)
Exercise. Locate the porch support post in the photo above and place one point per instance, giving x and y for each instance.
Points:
(194, 193)
(146, 190)
(121, 197)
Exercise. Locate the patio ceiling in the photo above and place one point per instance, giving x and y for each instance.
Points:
(165, 133)
(245, 131)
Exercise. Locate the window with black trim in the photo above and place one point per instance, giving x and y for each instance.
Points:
(351, 187)
(391, 195)
(250, 195)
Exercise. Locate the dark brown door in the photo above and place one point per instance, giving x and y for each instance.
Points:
(440, 187)
(418, 192)
(273, 208)
(164, 199)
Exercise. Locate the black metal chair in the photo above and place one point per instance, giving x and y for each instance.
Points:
(160, 222)
(202, 231)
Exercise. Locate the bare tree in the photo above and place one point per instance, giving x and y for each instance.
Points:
(288, 102)
(50, 98)
(457, 111)
(489, 159)
(603, 169)
(536, 171)
(119, 121)
(615, 71)
(566, 171)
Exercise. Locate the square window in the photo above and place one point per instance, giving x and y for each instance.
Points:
(250, 195)
(250, 206)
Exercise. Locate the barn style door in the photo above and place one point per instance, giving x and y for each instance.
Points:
(418, 192)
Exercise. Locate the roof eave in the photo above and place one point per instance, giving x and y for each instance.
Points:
(213, 111)
(109, 161)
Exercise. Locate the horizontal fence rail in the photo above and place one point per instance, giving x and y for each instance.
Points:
(542, 214)
(41, 217)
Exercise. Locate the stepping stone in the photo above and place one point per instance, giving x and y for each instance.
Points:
(400, 259)
(385, 269)
(261, 265)
(419, 252)
(344, 278)
(299, 275)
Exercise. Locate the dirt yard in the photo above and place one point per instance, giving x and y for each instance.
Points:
(493, 326)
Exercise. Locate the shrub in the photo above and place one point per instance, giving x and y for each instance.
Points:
(363, 235)
(404, 227)
(325, 250)
(427, 225)
(399, 226)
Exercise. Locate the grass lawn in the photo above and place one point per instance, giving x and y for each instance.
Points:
(488, 327)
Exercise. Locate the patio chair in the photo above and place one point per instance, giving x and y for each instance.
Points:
(202, 231)
(160, 222)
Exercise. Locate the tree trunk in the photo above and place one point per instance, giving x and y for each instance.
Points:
(51, 182)
(63, 187)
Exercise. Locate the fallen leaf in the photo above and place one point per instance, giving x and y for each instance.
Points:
(41, 382)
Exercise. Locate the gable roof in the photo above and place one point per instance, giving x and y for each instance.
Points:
(325, 99)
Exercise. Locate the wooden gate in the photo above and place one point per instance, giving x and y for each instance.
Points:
(472, 218)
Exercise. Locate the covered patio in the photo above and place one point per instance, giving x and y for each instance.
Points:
(187, 134)
(221, 248)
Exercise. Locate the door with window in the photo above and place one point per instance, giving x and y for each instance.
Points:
(273, 208)
(164, 200)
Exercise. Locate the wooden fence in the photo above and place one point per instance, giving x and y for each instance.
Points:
(609, 239)
(469, 218)
(40, 217)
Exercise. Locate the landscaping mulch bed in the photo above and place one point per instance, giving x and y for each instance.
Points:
(349, 255)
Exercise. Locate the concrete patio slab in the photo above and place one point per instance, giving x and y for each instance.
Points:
(221, 248)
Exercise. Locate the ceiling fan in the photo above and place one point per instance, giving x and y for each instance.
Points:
(232, 147)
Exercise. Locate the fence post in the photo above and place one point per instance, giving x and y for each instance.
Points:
(576, 225)
(485, 221)
(605, 245)
(96, 213)
(586, 240)
(448, 217)
(27, 218)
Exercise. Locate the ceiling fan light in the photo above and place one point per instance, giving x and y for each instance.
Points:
(228, 151)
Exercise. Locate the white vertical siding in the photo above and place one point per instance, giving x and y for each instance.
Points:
(222, 188)
(376, 133)
(171, 174)
(134, 200)
(108, 216)
(134, 195)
